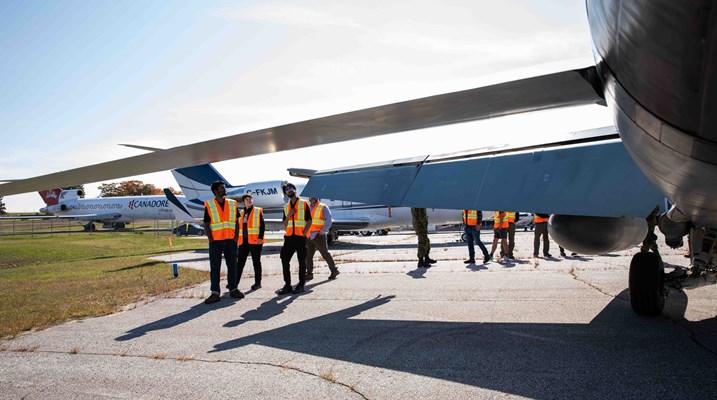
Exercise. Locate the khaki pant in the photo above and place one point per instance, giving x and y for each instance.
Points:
(318, 243)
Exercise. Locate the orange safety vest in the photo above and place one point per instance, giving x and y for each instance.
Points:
(222, 222)
(317, 218)
(253, 225)
(539, 220)
(500, 221)
(470, 217)
(297, 223)
(511, 216)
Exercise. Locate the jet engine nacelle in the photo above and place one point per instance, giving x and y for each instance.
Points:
(56, 208)
(596, 235)
(266, 194)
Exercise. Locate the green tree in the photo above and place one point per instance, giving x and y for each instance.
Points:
(128, 188)
(2, 207)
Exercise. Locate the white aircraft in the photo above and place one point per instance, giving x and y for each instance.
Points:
(195, 182)
(656, 70)
(112, 212)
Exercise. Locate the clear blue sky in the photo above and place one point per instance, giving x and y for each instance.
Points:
(79, 77)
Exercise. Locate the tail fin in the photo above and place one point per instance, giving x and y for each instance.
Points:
(195, 182)
(51, 196)
(180, 211)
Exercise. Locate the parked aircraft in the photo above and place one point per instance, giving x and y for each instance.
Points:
(195, 183)
(112, 212)
(656, 69)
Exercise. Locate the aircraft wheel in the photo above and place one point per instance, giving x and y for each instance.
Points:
(464, 237)
(366, 233)
(647, 284)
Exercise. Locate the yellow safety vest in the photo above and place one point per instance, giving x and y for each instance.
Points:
(317, 218)
(253, 226)
(499, 221)
(297, 223)
(470, 217)
(510, 215)
(222, 222)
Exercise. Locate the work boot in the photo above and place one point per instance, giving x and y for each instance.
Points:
(237, 294)
(298, 289)
(309, 276)
(256, 286)
(470, 261)
(422, 263)
(213, 298)
(285, 290)
(430, 260)
(548, 255)
(334, 274)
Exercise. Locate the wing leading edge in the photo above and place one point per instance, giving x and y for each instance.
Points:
(595, 178)
(562, 89)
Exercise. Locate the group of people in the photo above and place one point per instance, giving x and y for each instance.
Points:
(235, 233)
(503, 235)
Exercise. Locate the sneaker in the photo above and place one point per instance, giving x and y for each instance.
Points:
(469, 261)
(487, 259)
(334, 274)
(309, 277)
(298, 289)
(256, 286)
(285, 290)
(548, 256)
(213, 298)
(237, 294)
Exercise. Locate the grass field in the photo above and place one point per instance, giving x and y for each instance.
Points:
(45, 280)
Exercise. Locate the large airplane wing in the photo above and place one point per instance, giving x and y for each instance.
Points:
(590, 174)
(568, 88)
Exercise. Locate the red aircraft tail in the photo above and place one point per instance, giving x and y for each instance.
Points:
(50, 197)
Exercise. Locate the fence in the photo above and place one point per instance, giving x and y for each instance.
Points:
(54, 226)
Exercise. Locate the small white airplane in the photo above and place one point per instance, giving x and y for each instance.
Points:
(112, 212)
(195, 183)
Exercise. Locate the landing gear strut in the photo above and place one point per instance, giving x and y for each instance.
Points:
(647, 284)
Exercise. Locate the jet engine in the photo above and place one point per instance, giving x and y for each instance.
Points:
(596, 235)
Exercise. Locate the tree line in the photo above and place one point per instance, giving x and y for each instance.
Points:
(131, 188)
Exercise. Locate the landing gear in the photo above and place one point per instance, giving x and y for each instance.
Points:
(366, 233)
(647, 284)
(382, 232)
(89, 227)
(332, 237)
(118, 225)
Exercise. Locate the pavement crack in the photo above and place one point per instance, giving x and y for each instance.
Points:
(691, 334)
(326, 376)
(575, 276)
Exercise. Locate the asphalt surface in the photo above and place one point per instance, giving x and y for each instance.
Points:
(534, 328)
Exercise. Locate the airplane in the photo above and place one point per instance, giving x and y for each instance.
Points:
(112, 212)
(654, 69)
(195, 182)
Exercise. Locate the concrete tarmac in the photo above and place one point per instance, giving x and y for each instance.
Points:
(533, 328)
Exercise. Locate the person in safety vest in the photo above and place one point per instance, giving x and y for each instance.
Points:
(297, 222)
(500, 233)
(320, 225)
(541, 229)
(251, 238)
(221, 224)
(512, 218)
(419, 218)
(471, 227)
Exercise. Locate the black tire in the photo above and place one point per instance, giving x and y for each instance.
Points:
(464, 237)
(647, 284)
(366, 233)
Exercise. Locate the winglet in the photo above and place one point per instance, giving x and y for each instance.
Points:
(301, 172)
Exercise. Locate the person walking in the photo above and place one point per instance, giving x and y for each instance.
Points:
(297, 222)
(541, 229)
(251, 238)
(500, 234)
(419, 218)
(221, 222)
(512, 218)
(472, 220)
(320, 224)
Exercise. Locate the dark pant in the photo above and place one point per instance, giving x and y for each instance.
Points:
(244, 250)
(473, 236)
(216, 249)
(293, 244)
(511, 238)
(318, 243)
(541, 229)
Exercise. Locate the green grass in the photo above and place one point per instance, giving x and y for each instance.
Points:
(46, 280)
